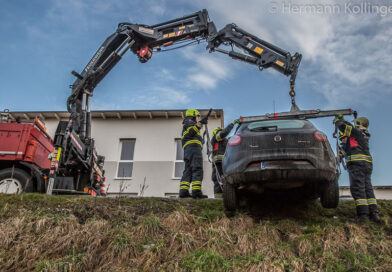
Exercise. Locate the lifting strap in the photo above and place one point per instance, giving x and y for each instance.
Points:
(209, 154)
(339, 150)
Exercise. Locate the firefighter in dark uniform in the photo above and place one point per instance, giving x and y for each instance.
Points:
(355, 141)
(192, 143)
(219, 143)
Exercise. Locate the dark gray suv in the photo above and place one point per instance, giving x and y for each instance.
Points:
(281, 154)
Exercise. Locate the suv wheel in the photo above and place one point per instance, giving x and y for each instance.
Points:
(230, 198)
(329, 196)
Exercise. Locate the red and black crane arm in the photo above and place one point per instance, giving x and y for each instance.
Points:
(143, 40)
(256, 51)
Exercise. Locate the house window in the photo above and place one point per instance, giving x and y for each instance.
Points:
(125, 164)
(179, 163)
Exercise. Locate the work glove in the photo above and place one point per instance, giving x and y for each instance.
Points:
(236, 121)
(338, 118)
(204, 121)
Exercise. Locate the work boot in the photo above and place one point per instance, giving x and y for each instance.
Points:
(375, 217)
(198, 195)
(184, 194)
(218, 196)
(361, 218)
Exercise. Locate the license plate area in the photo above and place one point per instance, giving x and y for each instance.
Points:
(263, 165)
(280, 164)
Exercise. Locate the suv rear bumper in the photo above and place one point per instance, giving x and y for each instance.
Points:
(281, 178)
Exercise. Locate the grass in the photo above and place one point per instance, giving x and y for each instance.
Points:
(205, 260)
(70, 262)
(73, 233)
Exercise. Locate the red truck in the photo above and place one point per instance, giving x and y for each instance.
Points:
(24, 155)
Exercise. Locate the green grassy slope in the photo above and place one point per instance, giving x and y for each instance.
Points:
(41, 233)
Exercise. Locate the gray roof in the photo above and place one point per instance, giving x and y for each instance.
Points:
(115, 114)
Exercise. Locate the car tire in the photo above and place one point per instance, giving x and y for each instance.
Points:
(329, 196)
(16, 180)
(230, 198)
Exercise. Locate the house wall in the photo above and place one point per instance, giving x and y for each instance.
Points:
(381, 193)
(154, 154)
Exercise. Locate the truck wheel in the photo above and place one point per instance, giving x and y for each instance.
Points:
(329, 196)
(15, 181)
(230, 199)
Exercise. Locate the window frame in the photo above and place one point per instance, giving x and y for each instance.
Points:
(175, 159)
(119, 156)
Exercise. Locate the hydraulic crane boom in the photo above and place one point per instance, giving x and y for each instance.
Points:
(142, 40)
(258, 52)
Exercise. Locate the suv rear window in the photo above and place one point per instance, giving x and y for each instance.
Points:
(274, 125)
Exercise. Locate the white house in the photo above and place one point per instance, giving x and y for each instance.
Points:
(142, 148)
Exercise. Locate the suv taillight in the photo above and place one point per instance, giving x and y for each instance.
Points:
(319, 136)
(235, 140)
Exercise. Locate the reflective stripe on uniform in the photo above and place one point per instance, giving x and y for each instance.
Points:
(193, 142)
(185, 185)
(361, 201)
(372, 201)
(196, 129)
(196, 185)
(359, 157)
(347, 133)
(187, 131)
(217, 158)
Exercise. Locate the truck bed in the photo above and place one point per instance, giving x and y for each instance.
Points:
(25, 142)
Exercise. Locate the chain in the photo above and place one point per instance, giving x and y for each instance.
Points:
(292, 93)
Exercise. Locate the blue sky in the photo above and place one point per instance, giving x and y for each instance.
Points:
(346, 63)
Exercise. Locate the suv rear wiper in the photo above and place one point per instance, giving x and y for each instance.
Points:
(262, 129)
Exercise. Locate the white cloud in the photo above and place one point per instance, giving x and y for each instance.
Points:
(203, 80)
(166, 74)
(206, 70)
